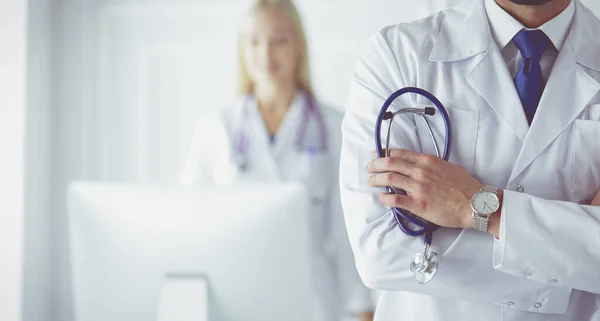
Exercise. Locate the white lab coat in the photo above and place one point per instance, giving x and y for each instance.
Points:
(339, 290)
(546, 264)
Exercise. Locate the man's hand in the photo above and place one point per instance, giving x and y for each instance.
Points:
(596, 200)
(366, 316)
(438, 191)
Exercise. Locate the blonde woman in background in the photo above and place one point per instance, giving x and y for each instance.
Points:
(276, 131)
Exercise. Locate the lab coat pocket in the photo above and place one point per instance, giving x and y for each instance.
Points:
(317, 179)
(315, 171)
(465, 125)
(586, 159)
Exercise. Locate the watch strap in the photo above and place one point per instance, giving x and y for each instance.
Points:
(480, 223)
(490, 189)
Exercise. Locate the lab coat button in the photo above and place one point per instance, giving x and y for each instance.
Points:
(527, 274)
(537, 305)
(553, 280)
(520, 189)
(510, 303)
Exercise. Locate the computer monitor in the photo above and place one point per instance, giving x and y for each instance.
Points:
(251, 242)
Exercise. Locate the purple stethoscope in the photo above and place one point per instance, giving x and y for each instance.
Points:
(309, 110)
(423, 265)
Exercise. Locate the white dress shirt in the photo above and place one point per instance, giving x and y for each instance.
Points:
(504, 28)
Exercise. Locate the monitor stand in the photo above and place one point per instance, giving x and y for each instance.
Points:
(183, 297)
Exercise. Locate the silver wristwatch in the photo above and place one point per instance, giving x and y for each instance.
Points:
(484, 204)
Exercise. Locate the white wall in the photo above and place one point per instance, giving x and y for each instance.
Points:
(12, 133)
(39, 205)
(73, 93)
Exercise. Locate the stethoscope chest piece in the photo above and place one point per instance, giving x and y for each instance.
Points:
(424, 266)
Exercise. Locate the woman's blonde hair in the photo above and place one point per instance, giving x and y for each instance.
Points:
(287, 7)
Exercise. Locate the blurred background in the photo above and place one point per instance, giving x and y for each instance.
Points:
(109, 90)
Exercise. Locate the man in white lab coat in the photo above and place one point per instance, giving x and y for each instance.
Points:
(521, 82)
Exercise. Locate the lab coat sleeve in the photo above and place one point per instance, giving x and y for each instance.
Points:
(382, 251)
(551, 242)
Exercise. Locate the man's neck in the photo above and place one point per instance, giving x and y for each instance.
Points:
(534, 16)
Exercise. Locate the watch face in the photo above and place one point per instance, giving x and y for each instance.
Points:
(485, 203)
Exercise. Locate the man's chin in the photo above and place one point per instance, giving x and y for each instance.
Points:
(530, 2)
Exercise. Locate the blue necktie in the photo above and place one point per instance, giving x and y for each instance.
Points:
(529, 81)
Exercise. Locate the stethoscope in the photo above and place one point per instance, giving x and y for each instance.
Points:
(241, 139)
(423, 265)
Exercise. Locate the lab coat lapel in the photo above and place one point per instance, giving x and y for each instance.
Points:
(569, 90)
(263, 163)
(492, 80)
(469, 36)
(285, 139)
(295, 163)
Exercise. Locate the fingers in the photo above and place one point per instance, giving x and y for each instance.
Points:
(385, 168)
(397, 201)
(391, 179)
(374, 153)
(410, 156)
(390, 164)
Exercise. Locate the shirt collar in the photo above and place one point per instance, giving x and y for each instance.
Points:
(504, 27)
